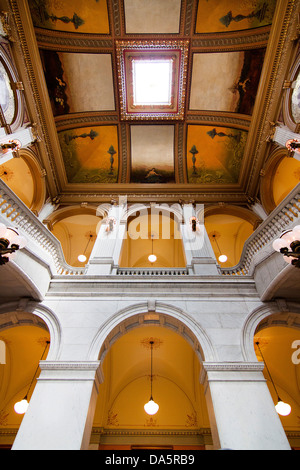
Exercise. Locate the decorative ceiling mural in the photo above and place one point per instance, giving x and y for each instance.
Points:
(75, 15)
(90, 154)
(214, 155)
(78, 82)
(152, 150)
(230, 15)
(226, 81)
(198, 138)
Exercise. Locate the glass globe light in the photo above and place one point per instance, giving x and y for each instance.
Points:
(223, 258)
(21, 406)
(282, 408)
(278, 244)
(151, 407)
(152, 258)
(82, 258)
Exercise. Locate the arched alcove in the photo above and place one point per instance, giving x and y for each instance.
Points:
(26, 338)
(153, 231)
(278, 337)
(76, 228)
(228, 228)
(182, 419)
(25, 177)
(180, 347)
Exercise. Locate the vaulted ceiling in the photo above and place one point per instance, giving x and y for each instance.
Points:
(230, 76)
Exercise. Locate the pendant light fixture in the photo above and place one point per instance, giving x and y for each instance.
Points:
(152, 258)
(221, 258)
(288, 244)
(22, 406)
(151, 407)
(10, 243)
(282, 408)
(82, 258)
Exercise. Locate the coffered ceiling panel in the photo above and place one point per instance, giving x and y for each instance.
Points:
(79, 82)
(162, 17)
(102, 142)
(226, 81)
(152, 150)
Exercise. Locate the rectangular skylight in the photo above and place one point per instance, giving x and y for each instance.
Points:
(152, 82)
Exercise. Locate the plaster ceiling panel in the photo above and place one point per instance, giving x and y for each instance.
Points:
(226, 81)
(79, 82)
(230, 15)
(152, 154)
(71, 16)
(161, 17)
(214, 154)
(90, 154)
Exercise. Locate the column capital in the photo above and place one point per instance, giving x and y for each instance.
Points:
(71, 370)
(231, 371)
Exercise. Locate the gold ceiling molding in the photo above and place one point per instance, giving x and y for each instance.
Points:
(278, 56)
(288, 91)
(27, 57)
(231, 41)
(71, 42)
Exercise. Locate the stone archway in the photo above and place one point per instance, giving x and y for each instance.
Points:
(123, 349)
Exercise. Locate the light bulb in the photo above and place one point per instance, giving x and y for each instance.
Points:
(282, 408)
(223, 258)
(151, 407)
(82, 258)
(152, 258)
(278, 244)
(21, 406)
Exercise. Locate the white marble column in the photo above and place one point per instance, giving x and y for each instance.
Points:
(199, 254)
(61, 409)
(105, 256)
(241, 410)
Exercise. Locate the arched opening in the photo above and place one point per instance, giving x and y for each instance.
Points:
(152, 231)
(279, 348)
(228, 229)
(120, 421)
(286, 177)
(26, 339)
(24, 177)
(76, 228)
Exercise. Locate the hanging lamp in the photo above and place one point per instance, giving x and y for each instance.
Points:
(21, 406)
(152, 258)
(151, 407)
(82, 258)
(281, 407)
(221, 258)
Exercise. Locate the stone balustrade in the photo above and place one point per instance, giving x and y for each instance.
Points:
(258, 246)
(15, 214)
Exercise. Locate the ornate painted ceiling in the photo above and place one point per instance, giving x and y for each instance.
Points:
(210, 150)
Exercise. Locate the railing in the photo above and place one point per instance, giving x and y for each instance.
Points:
(259, 244)
(152, 272)
(19, 216)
